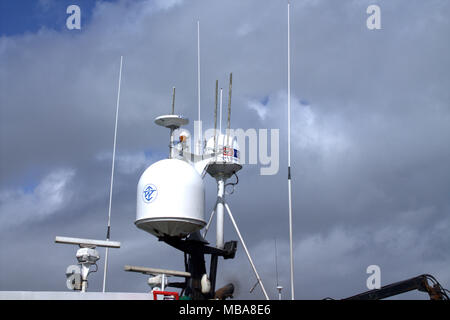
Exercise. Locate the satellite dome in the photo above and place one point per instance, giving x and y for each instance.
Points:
(170, 199)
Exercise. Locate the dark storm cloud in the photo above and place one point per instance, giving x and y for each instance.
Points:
(370, 117)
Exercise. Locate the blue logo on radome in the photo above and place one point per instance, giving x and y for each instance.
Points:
(150, 193)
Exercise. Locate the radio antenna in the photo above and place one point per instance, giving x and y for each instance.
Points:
(108, 231)
(215, 117)
(173, 101)
(220, 111)
(229, 107)
(289, 151)
(199, 133)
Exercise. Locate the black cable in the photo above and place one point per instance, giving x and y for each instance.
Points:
(96, 269)
(436, 283)
(233, 184)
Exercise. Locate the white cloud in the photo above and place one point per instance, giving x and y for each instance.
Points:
(310, 129)
(260, 109)
(49, 197)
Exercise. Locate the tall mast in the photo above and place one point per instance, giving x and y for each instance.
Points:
(289, 153)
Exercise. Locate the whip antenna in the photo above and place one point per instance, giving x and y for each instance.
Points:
(289, 154)
(220, 111)
(199, 150)
(173, 101)
(108, 232)
(215, 117)
(229, 107)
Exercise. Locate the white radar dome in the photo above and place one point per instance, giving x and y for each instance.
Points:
(170, 199)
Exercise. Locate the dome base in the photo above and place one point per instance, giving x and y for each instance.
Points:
(173, 227)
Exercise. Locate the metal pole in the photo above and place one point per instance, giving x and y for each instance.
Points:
(84, 284)
(171, 146)
(276, 270)
(220, 121)
(229, 108)
(108, 232)
(246, 251)
(215, 117)
(219, 211)
(210, 220)
(173, 101)
(289, 157)
(199, 141)
(220, 112)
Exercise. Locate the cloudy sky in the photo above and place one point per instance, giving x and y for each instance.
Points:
(370, 136)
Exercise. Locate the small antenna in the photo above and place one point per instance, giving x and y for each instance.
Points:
(220, 112)
(108, 232)
(171, 122)
(229, 107)
(215, 117)
(173, 101)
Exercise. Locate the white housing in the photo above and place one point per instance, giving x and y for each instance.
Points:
(170, 199)
(227, 149)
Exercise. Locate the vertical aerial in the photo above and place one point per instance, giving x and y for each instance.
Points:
(220, 111)
(289, 151)
(198, 145)
(229, 107)
(172, 128)
(215, 117)
(108, 231)
(173, 100)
